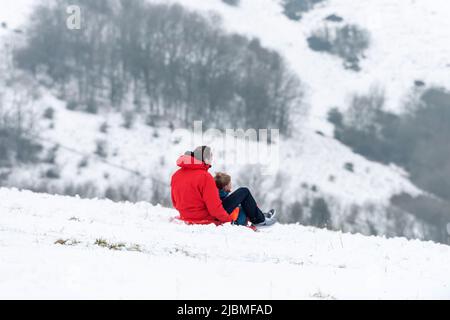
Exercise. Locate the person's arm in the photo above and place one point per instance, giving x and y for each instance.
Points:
(171, 194)
(173, 200)
(213, 203)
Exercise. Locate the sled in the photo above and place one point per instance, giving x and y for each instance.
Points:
(206, 222)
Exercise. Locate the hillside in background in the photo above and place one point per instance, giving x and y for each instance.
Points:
(405, 44)
(106, 130)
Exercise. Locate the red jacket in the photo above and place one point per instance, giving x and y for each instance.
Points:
(195, 195)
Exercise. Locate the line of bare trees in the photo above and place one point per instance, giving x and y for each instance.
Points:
(162, 60)
(17, 122)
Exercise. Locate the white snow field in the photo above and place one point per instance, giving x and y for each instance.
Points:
(162, 259)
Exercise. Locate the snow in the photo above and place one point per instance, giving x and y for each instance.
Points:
(306, 159)
(176, 261)
(409, 41)
(15, 13)
(309, 160)
(412, 49)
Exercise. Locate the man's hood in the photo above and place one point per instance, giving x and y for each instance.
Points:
(189, 162)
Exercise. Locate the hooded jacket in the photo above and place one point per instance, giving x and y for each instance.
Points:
(194, 193)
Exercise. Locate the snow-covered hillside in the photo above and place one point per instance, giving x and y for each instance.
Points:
(409, 41)
(48, 250)
(303, 163)
(311, 164)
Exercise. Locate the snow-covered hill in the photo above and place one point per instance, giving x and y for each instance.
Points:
(307, 162)
(311, 164)
(409, 41)
(57, 247)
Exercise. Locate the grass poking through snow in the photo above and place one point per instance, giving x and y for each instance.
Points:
(117, 246)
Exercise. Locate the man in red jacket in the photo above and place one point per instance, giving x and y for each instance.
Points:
(195, 195)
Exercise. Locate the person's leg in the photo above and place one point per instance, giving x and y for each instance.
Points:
(243, 197)
(242, 218)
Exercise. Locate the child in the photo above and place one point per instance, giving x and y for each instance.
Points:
(223, 183)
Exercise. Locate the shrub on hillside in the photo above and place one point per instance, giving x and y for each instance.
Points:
(49, 113)
(51, 155)
(319, 42)
(104, 127)
(335, 117)
(293, 9)
(295, 213)
(233, 3)
(334, 18)
(430, 210)
(71, 105)
(101, 148)
(348, 42)
(366, 127)
(53, 173)
(83, 163)
(349, 166)
(129, 117)
(320, 213)
(17, 135)
(92, 107)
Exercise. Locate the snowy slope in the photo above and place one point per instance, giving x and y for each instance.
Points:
(409, 41)
(172, 260)
(310, 160)
(412, 49)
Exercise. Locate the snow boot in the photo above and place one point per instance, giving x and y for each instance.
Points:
(271, 214)
(269, 221)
